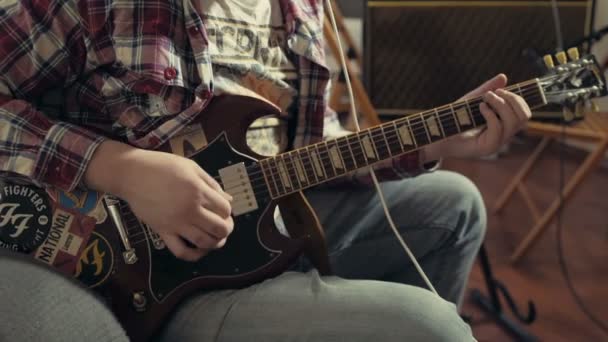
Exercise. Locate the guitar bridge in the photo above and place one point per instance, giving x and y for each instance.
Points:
(235, 180)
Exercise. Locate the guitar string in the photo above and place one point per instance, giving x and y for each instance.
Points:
(265, 191)
(139, 226)
(421, 116)
(135, 221)
(445, 110)
(419, 125)
(417, 128)
(262, 189)
(345, 144)
(524, 87)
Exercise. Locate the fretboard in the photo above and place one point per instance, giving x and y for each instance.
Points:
(314, 164)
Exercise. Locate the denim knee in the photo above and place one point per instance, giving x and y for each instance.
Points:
(426, 318)
(462, 197)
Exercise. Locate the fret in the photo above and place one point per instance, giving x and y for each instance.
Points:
(390, 135)
(316, 160)
(272, 185)
(478, 118)
(274, 171)
(299, 169)
(438, 118)
(470, 113)
(519, 92)
(291, 170)
(347, 154)
(455, 121)
(419, 130)
(396, 132)
(308, 165)
(534, 96)
(432, 127)
(388, 146)
(368, 146)
(283, 174)
(358, 151)
(405, 135)
(379, 140)
(461, 112)
(448, 122)
(324, 158)
(335, 157)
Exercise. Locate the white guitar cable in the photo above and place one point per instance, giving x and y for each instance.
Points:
(353, 113)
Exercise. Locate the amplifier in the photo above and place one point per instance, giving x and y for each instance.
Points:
(423, 54)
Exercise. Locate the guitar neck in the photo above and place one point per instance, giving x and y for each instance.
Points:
(315, 164)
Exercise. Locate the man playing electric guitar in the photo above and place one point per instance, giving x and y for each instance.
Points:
(90, 89)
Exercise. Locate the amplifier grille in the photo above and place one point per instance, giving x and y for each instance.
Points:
(422, 54)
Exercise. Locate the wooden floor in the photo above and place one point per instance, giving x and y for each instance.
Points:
(538, 276)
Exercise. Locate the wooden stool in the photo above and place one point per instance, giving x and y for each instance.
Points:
(593, 129)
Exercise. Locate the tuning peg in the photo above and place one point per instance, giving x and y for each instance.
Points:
(573, 54)
(549, 61)
(561, 57)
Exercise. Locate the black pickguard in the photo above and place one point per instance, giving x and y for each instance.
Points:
(244, 252)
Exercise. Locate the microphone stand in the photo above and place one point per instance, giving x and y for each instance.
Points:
(492, 304)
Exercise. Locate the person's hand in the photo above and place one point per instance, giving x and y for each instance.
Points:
(172, 195)
(505, 114)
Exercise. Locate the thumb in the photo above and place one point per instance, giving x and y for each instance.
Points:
(498, 81)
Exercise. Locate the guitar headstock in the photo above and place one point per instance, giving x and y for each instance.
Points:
(573, 82)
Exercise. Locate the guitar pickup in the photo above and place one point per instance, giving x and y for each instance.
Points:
(235, 181)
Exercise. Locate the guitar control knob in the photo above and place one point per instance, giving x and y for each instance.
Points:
(561, 57)
(573, 54)
(549, 61)
(140, 302)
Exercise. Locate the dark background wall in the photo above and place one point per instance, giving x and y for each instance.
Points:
(351, 8)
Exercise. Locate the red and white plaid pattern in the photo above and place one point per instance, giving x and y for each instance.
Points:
(73, 73)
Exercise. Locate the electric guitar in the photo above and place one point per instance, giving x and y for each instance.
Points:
(99, 241)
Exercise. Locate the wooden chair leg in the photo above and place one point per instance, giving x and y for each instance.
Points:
(350, 42)
(581, 173)
(521, 174)
(335, 98)
(365, 105)
(523, 191)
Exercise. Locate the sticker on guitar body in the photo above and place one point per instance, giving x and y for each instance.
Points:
(25, 217)
(33, 222)
(96, 262)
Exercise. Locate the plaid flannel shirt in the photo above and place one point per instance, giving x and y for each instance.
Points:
(74, 73)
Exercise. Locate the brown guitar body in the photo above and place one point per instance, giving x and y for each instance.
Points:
(143, 284)
(140, 294)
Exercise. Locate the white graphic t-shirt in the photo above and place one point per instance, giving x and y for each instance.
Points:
(248, 50)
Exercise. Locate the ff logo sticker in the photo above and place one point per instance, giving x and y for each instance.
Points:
(96, 262)
(25, 217)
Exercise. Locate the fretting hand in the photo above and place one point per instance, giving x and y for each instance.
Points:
(512, 110)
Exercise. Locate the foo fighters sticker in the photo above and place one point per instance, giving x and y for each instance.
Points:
(96, 262)
(25, 217)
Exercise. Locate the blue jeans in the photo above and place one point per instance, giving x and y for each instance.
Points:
(441, 216)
